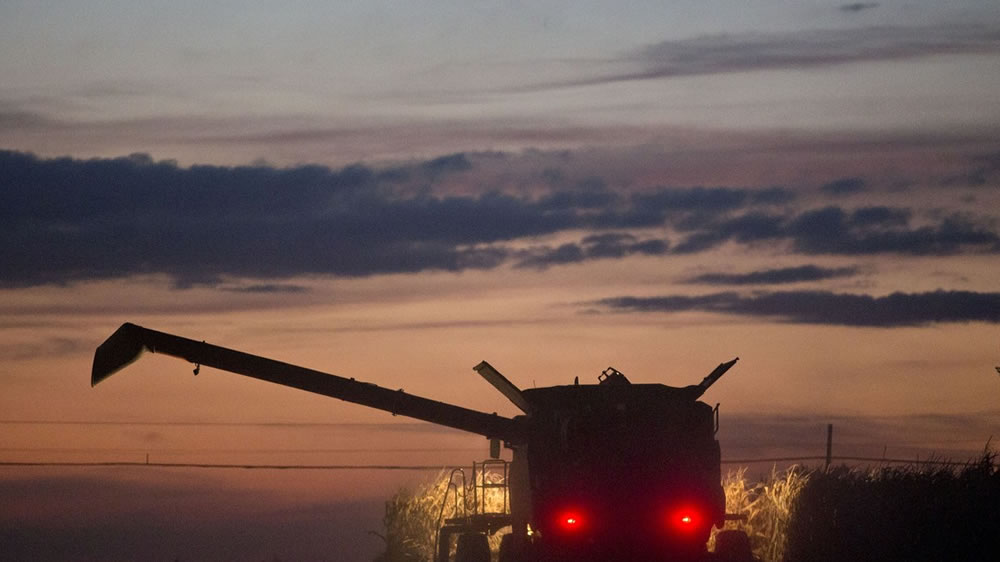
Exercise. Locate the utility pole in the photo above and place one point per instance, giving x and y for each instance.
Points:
(829, 445)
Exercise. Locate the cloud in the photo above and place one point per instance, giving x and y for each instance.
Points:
(47, 347)
(874, 230)
(688, 208)
(451, 163)
(748, 52)
(717, 199)
(985, 172)
(858, 7)
(839, 231)
(598, 246)
(68, 220)
(590, 195)
(844, 186)
(772, 196)
(13, 118)
(817, 47)
(267, 288)
(821, 307)
(775, 276)
(750, 227)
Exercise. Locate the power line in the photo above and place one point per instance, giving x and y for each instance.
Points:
(231, 466)
(236, 451)
(219, 424)
(250, 466)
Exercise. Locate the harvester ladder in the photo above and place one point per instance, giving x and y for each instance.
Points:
(457, 490)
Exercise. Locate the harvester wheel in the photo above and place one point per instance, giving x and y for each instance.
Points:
(472, 547)
(507, 553)
(733, 546)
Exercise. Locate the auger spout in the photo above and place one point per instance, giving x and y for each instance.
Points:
(130, 340)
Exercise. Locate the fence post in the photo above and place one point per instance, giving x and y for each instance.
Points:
(829, 445)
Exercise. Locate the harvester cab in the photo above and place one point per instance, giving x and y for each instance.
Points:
(607, 471)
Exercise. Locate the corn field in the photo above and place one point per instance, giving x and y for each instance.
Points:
(912, 513)
(767, 506)
(413, 517)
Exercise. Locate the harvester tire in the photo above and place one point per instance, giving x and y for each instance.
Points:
(472, 547)
(732, 546)
(507, 553)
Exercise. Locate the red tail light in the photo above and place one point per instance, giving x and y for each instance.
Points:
(685, 519)
(571, 521)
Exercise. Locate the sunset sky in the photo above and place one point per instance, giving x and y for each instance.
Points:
(396, 191)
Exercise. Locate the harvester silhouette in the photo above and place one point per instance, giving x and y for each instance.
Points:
(612, 471)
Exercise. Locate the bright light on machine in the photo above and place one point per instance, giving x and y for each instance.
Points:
(685, 519)
(571, 521)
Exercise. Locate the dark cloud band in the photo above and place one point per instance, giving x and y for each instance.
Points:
(774, 276)
(749, 52)
(821, 307)
(67, 220)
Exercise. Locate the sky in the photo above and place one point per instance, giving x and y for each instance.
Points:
(395, 191)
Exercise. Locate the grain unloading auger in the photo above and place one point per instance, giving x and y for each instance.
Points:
(129, 341)
(607, 471)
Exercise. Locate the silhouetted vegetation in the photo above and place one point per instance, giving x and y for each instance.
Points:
(910, 513)
(413, 517)
(411, 522)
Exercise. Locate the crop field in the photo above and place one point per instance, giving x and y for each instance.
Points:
(412, 518)
(909, 512)
(949, 512)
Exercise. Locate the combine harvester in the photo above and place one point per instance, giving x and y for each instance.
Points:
(612, 471)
